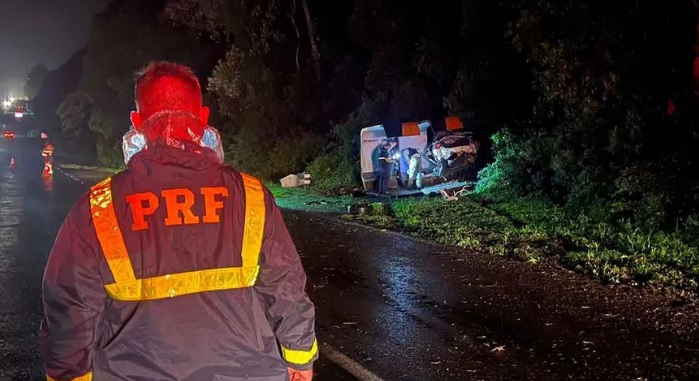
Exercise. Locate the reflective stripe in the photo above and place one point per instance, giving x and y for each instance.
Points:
(300, 357)
(87, 377)
(254, 220)
(169, 286)
(109, 233)
(127, 288)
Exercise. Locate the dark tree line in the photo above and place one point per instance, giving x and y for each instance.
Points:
(587, 102)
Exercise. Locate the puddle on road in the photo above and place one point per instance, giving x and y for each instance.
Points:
(47, 183)
(11, 212)
(25, 239)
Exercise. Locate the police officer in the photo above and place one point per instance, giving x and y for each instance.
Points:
(179, 267)
(386, 164)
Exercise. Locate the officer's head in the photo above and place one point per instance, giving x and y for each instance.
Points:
(389, 143)
(168, 87)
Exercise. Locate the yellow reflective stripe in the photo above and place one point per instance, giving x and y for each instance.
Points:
(172, 285)
(254, 220)
(108, 232)
(300, 357)
(87, 377)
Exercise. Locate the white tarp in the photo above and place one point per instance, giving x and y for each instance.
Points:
(291, 181)
(296, 180)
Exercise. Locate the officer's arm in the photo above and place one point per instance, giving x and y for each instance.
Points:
(73, 300)
(281, 282)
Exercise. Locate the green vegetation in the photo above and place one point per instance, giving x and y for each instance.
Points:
(91, 168)
(534, 230)
(588, 114)
(308, 200)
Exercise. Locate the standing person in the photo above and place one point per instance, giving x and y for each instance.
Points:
(386, 163)
(414, 160)
(179, 267)
(47, 154)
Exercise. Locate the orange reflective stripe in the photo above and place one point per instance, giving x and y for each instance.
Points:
(127, 288)
(87, 377)
(254, 220)
(109, 233)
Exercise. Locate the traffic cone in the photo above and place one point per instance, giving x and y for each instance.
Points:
(47, 171)
(12, 163)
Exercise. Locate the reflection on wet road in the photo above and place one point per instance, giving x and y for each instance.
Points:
(403, 309)
(30, 214)
(408, 310)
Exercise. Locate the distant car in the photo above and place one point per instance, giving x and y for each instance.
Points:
(8, 133)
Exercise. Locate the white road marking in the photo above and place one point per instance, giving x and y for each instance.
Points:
(350, 366)
(68, 174)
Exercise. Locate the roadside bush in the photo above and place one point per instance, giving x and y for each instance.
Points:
(254, 152)
(247, 150)
(643, 196)
(294, 153)
(109, 153)
(338, 165)
(332, 170)
(515, 170)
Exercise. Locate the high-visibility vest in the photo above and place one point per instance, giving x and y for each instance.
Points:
(48, 150)
(127, 287)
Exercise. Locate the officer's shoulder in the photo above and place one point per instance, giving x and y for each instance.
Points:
(240, 176)
(243, 178)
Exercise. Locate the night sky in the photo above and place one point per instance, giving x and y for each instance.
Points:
(40, 31)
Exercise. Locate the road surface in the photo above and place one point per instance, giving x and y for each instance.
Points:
(390, 307)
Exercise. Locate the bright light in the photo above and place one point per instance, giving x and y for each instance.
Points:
(19, 115)
(7, 103)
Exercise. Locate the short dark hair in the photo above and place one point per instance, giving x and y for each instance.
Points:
(165, 85)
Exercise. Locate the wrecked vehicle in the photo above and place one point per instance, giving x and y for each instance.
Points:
(453, 156)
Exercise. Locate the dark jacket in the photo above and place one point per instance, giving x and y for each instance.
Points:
(220, 334)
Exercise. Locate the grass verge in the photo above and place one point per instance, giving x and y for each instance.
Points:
(89, 168)
(532, 230)
(309, 200)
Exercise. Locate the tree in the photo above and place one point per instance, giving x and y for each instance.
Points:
(260, 84)
(599, 131)
(34, 80)
(57, 85)
(123, 39)
(75, 113)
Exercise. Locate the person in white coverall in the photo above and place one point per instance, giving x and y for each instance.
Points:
(414, 160)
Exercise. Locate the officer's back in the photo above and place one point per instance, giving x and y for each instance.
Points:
(178, 268)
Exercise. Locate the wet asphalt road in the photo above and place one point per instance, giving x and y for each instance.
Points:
(31, 212)
(408, 310)
(403, 309)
